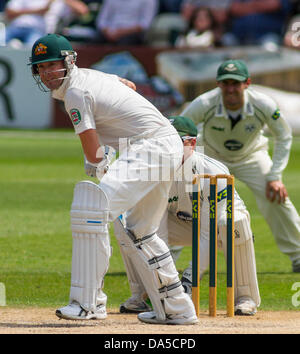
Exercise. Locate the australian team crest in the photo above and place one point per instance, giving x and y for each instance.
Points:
(75, 116)
(276, 114)
(40, 49)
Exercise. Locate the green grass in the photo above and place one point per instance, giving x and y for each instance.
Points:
(38, 173)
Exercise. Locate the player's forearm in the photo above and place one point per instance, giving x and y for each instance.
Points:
(91, 146)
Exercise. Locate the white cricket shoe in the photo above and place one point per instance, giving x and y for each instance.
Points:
(150, 317)
(74, 311)
(245, 306)
(134, 305)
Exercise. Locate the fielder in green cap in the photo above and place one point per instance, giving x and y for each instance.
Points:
(233, 117)
(233, 69)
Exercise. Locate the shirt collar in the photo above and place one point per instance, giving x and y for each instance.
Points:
(247, 110)
(61, 91)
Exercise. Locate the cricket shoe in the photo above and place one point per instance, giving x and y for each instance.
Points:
(74, 311)
(134, 305)
(150, 317)
(245, 306)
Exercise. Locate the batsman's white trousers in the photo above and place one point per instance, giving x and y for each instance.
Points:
(138, 182)
(283, 219)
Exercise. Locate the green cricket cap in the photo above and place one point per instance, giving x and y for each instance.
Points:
(184, 126)
(51, 47)
(233, 69)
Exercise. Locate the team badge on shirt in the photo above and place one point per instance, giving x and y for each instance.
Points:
(249, 128)
(75, 116)
(276, 114)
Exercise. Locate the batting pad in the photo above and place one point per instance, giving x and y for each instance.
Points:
(151, 259)
(244, 257)
(126, 249)
(91, 245)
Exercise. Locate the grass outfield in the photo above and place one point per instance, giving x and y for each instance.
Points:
(38, 173)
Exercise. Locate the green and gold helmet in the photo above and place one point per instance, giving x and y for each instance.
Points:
(51, 47)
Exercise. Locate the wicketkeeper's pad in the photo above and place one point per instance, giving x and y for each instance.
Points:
(244, 257)
(153, 262)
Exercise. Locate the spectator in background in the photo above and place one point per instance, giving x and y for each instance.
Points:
(200, 31)
(292, 34)
(125, 22)
(77, 19)
(295, 7)
(26, 21)
(170, 6)
(219, 9)
(2, 5)
(256, 22)
(79, 7)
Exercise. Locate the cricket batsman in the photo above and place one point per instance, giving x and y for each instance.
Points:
(104, 111)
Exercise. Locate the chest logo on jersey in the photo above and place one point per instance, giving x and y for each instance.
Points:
(219, 129)
(233, 145)
(75, 116)
(173, 199)
(249, 128)
(276, 114)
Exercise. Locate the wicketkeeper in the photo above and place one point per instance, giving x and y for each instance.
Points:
(176, 228)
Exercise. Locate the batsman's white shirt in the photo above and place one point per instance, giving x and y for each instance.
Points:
(244, 150)
(95, 100)
(110, 107)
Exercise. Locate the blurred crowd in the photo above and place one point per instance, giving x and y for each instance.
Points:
(186, 23)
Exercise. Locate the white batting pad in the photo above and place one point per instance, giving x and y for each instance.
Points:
(246, 283)
(151, 259)
(126, 249)
(91, 245)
